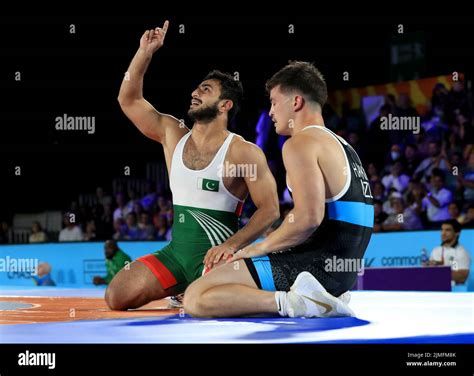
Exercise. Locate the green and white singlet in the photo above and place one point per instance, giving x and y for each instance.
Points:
(205, 215)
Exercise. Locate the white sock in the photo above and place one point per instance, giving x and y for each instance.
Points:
(280, 299)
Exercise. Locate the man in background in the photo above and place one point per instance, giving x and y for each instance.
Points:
(115, 260)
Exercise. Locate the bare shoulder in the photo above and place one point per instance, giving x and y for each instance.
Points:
(241, 150)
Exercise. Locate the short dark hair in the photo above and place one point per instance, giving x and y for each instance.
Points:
(438, 172)
(230, 89)
(301, 76)
(452, 222)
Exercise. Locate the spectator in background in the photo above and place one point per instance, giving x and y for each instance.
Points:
(415, 200)
(147, 231)
(132, 232)
(397, 179)
(451, 252)
(455, 212)
(466, 179)
(43, 275)
(378, 191)
(379, 216)
(115, 260)
(422, 143)
(37, 234)
(395, 155)
(132, 200)
(71, 232)
(437, 200)
(439, 99)
(119, 229)
(121, 211)
(435, 160)
(102, 198)
(149, 199)
(90, 233)
(372, 172)
(410, 160)
(402, 218)
(6, 233)
(469, 218)
(161, 227)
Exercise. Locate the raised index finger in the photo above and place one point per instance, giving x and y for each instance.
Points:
(165, 26)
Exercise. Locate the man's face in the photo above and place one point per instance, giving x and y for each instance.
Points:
(433, 149)
(437, 182)
(409, 152)
(447, 233)
(453, 210)
(205, 102)
(281, 111)
(109, 251)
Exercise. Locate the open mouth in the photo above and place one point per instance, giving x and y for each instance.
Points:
(195, 102)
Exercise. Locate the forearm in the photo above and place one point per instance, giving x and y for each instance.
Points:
(459, 276)
(132, 84)
(294, 230)
(434, 201)
(261, 220)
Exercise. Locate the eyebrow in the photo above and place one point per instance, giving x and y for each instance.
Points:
(206, 85)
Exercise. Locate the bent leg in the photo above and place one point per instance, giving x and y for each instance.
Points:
(228, 290)
(136, 286)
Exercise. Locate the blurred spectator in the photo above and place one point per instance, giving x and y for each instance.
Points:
(411, 160)
(378, 191)
(102, 198)
(162, 228)
(43, 275)
(451, 252)
(132, 232)
(437, 200)
(90, 233)
(119, 229)
(132, 200)
(37, 234)
(396, 179)
(435, 160)
(455, 212)
(121, 211)
(372, 172)
(469, 218)
(6, 233)
(149, 199)
(115, 260)
(147, 230)
(72, 232)
(379, 216)
(467, 180)
(402, 218)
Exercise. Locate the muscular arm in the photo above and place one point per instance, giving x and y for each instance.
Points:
(262, 189)
(153, 124)
(308, 195)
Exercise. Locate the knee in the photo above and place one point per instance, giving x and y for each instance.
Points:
(194, 302)
(116, 300)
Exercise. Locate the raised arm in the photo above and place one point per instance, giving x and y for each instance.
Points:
(153, 124)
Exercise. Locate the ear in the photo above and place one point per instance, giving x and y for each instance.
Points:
(298, 103)
(227, 105)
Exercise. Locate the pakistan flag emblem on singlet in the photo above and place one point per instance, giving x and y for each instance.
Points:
(208, 185)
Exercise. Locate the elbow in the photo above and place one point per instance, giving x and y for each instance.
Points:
(311, 220)
(123, 102)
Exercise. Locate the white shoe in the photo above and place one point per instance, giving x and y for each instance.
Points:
(308, 298)
(346, 297)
